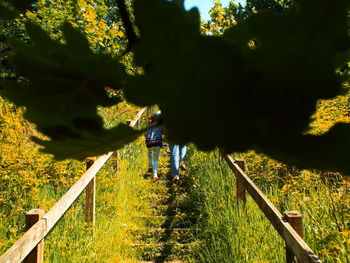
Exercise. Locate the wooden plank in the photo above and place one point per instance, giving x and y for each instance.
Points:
(37, 254)
(291, 237)
(38, 231)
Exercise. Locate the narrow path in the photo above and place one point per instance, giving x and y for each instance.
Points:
(170, 234)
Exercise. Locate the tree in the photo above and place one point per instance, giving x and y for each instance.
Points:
(215, 91)
(222, 18)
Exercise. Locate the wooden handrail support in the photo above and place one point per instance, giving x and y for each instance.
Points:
(23, 246)
(90, 195)
(296, 221)
(240, 189)
(296, 244)
(37, 254)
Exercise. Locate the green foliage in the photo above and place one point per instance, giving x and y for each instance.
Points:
(260, 97)
(255, 6)
(103, 31)
(222, 18)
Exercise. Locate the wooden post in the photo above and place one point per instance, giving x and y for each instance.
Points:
(115, 160)
(37, 254)
(90, 195)
(241, 190)
(347, 182)
(296, 222)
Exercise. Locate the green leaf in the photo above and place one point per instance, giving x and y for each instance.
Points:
(325, 152)
(88, 142)
(7, 13)
(22, 5)
(213, 91)
(9, 8)
(251, 94)
(76, 41)
(63, 86)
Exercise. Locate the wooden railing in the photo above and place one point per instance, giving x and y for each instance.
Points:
(288, 225)
(30, 246)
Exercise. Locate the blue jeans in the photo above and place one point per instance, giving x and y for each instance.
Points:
(177, 154)
(153, 155)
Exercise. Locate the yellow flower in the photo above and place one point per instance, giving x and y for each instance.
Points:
(345, 233)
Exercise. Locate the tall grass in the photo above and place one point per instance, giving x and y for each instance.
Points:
(29, 179)
(232, 233)
(118, 209)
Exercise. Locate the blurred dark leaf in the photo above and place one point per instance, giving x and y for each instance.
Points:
(9, 9)
(64, 83)
(214, 91)
(220, 92)
(326, 152)
(7, 13)
(22, 5)
(88, 142)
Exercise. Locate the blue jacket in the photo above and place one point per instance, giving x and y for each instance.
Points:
(154, 137)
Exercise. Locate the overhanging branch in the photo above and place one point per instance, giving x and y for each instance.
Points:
(130, 33)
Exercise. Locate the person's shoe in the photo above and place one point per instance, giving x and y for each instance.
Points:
(175, 179)
(150, 169)
(182, 166)
(155, 176)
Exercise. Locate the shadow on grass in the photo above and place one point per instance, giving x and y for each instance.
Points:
(186, 219)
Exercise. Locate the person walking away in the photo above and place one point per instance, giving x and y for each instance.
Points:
(153, 144)
(177, 160)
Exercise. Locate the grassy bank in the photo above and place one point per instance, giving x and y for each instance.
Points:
(234, 234)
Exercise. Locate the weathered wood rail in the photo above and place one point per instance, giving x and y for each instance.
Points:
(288, 225)
(30, 246)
